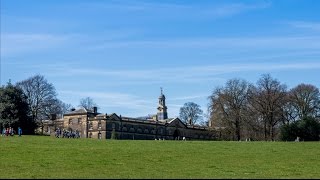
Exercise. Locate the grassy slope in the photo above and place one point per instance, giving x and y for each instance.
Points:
(47, 157)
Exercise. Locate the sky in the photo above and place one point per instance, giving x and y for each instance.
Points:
(120, 53)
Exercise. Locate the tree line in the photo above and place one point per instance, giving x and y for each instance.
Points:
(265, 111)
(238, 110)
(27, 103)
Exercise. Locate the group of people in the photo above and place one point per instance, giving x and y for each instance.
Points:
(10, 131)
(67, 133)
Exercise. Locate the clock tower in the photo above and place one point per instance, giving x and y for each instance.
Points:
(162, 108)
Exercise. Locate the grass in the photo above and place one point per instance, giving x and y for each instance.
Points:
(48, 157)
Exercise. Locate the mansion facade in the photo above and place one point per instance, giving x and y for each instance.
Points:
(91, 124)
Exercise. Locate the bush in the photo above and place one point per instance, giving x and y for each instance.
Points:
(308, 129)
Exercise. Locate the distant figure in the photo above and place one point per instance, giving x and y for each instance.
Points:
(4, 132)
(19, 131)
(184, 138)
(7, 132)
(57, 133)
(298, 139)
(11, 131)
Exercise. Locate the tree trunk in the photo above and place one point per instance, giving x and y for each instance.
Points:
(238, 130)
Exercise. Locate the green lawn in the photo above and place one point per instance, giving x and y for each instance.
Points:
(48, 157)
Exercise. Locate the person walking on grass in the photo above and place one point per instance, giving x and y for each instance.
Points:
(19, 131)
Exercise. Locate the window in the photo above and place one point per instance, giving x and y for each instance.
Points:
(70, 121)
(79, 120)
(99, 135)
(90, 125)
(90, 135)
(99, 124)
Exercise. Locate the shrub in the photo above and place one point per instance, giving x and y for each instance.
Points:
(308, 129)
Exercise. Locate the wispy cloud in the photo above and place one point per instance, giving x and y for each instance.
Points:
(306, 25)
(17, 43)
(193, 74)
(234, 8)
(183, 98)
(295, 42)
(114, 99)
(175, 10)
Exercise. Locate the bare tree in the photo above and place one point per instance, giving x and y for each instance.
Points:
(55, 106)
(41, 98)
(87, 103)
(65, 107)
(40, 94)
(305, 99)
(268, 100)
(191, 113)
(228, 104)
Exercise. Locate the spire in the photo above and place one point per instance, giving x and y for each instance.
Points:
(162, 108)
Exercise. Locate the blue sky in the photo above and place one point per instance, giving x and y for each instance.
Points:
(121, 52)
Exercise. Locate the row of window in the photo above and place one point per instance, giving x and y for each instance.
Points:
(75, 121)
(91, 125)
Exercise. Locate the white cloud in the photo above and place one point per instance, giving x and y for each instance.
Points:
(183, 98)
(17, 43)
(110, 99)
(190, 74)
(111, 102)
(295, 42)
(235, 8)
(171, 10)
(306, 25)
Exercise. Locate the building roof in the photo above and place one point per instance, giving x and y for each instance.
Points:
(81, 110)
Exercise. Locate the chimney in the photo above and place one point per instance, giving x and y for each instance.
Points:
(95, 110)
(53, 116)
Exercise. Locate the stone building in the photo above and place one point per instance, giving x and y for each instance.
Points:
(91, 124)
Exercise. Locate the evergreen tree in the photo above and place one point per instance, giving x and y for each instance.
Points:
(14, 109)
(307, 129)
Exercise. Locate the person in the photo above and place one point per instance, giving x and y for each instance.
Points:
(7, 131)
(4, 132)
(19, 131)
(11, 131)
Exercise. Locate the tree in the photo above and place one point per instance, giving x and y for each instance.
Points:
(305, 99)
(191, 113)
(228, 104)
(14, 109)
(65, 107)
(268, 100)
(42, 98)
(308, 129)
(87, 103)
